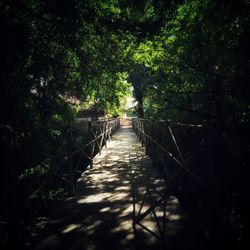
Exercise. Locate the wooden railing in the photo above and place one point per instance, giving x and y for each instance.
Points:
(172, 145)
(96, 134)
(186, 159)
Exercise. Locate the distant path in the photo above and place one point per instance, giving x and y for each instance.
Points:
(100, 216)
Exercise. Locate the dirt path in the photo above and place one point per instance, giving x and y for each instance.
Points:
(100, 215)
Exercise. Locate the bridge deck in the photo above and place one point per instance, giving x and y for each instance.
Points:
(100, 215)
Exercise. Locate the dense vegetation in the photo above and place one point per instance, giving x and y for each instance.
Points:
(187, 61)
(196, 67)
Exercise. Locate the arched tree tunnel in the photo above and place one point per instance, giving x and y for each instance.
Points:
(71, 69)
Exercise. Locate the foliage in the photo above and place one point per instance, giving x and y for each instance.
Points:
(187, 61)
(195, 63)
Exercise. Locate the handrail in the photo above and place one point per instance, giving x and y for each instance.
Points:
(173, 123)
(97, 134)
(115, 126)
(165, 147)
(179, 161)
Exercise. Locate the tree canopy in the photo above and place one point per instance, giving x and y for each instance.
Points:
(186, 60)
(197, 63)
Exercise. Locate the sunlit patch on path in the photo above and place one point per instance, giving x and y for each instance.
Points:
(100, 216)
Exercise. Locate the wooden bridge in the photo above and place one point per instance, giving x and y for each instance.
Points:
(137, 191)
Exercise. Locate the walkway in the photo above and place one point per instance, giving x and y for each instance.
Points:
(100, 215)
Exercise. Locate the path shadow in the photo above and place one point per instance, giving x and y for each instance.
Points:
(99, 216)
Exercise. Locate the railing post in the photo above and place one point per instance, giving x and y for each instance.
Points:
(141, 132)
(146, 131)
(109, 131)
(166, 160)
(106, 133)
(153, 147)
(101, 129)
(91, 146)
(71, 166)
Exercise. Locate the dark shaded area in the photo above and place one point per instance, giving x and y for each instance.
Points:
(187, 60)
(200, 167)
